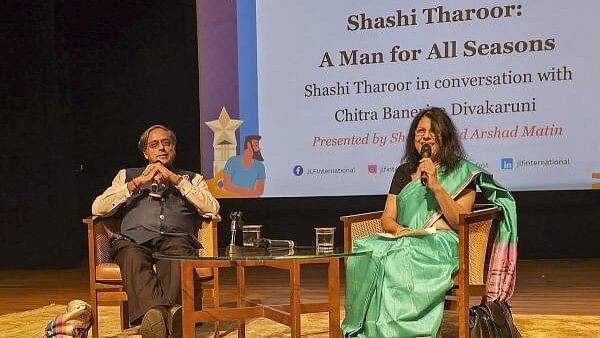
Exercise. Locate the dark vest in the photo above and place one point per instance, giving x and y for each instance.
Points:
(146, 217)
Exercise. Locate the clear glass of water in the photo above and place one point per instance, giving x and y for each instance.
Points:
(324, 242)
(250, 234)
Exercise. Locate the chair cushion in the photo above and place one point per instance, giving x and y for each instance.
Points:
(108, 272)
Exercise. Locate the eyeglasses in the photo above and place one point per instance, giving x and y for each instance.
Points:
(154, 144)
(421, 133)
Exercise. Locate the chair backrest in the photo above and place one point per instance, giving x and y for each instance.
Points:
(103, 229)
(478, 224)
(481, 231)
(207, 235)
(360, 225)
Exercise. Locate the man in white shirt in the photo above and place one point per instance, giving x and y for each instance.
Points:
(159, 205)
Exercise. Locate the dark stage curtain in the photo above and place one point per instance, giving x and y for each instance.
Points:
(38, 173)
(80, 80)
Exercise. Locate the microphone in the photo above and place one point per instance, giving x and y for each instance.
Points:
(425, 153)
(235, 225)
(156, 189)
(273, 243)
(157, 186)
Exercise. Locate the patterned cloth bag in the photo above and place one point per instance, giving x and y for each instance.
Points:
(76, 322)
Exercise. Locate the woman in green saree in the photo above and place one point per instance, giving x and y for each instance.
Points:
(398, 290)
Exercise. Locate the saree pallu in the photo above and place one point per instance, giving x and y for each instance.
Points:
(398, 289)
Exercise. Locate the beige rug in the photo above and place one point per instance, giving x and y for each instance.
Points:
(30, 324)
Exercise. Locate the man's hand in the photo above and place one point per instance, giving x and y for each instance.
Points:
(147, 175)
(154, 172)
(163, 174)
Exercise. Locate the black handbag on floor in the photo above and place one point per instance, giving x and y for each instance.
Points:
(492, 320)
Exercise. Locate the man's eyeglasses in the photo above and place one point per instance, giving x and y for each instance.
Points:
(166, 143)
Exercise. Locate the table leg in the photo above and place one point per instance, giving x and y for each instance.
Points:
(333, 277)
(295, 299)
(241, 300)
(187, 299)
(216, 299)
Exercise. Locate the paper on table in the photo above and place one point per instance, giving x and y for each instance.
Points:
(412, 233)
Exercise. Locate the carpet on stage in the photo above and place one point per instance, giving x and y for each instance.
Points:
(30, 324)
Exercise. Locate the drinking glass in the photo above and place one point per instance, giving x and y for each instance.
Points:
(250, 234)
(324, 239)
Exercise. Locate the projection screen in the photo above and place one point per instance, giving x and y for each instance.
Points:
(327, 89)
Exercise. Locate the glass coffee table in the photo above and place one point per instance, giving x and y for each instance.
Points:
(242, 257)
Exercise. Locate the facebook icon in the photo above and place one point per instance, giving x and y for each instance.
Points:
(298, 170)
(506, 163)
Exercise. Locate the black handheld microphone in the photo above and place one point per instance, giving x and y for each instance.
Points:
(273, 243)
(425, 153)
(157, 189)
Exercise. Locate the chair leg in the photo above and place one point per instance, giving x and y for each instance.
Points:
(216, 299)
(124, 316)
(94, 306)
(463, 318)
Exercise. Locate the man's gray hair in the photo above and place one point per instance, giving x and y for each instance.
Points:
(143, 142)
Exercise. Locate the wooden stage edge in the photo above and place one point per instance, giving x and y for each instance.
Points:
(562, 286)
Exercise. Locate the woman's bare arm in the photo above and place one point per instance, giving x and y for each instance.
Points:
(452, 208)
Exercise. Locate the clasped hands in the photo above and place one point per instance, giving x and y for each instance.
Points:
(156, 172)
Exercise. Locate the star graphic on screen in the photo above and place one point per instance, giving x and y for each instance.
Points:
(224, 128)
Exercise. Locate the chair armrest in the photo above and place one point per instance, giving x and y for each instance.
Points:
(211, 216)
(480, 212)
(361, 217)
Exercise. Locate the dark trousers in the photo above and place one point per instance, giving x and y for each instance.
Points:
(149, 282)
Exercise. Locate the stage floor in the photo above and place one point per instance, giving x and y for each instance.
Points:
(566, 287)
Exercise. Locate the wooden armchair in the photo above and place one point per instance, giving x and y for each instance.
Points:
(476, 233)
(105, 276)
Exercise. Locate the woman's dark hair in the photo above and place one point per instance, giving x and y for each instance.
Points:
(451, 150)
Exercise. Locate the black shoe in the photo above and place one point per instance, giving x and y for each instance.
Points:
(174, 321)
(153, 324)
